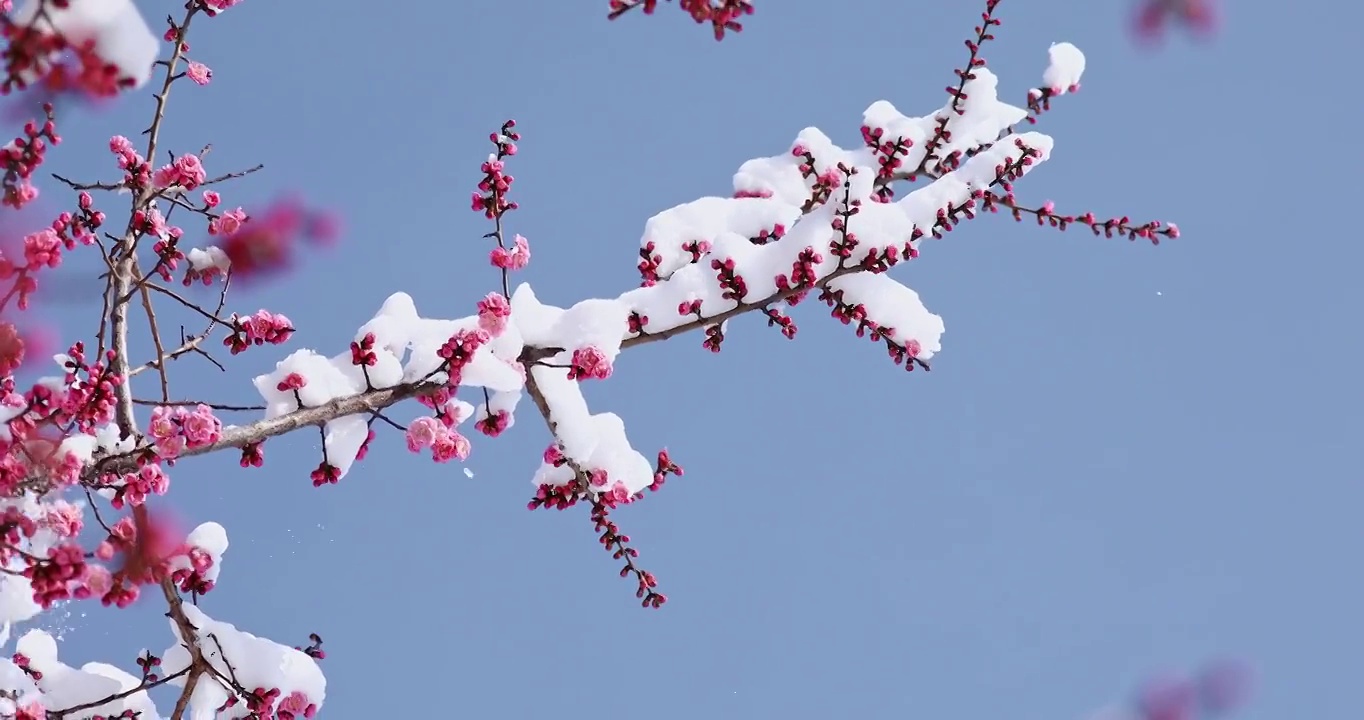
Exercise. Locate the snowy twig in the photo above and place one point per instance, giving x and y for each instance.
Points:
(262, 430)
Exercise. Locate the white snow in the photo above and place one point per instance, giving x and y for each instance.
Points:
(211, 538)
(892, 305)
(17, 682)
(592, 441)
(16, 598)
(16, 592)
(64, 686)
(1063, 71)
(713, 217)
(877, 225)
(253, 661)
(497, 402)
(212, 256)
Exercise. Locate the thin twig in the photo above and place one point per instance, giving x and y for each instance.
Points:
(91, 186)
(156, 338)
(192, 344)
(232, 175)
(192, 306)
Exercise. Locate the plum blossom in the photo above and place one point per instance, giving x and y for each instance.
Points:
(493, 314)
(514, 259)
(185, 171)
(446, 443)
(199, 73)
(1152, 16)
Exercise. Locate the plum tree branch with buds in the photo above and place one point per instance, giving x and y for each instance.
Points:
(817, 219)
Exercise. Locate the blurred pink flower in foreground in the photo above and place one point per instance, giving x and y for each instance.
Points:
(1225, 686)
(265, 243)
(1152, 16)
(1218, 689)
(20, 342)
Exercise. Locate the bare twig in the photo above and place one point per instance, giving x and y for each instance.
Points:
(156, 338)
(188, 304)
(192, 344)
(91, 186)
(231, 175)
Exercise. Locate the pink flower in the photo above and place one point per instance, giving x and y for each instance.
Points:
(1168, 698)
(154, 478)
(227, 223)
(43, 248)
(296, 706)
(450, 445)
(514, 259)
(589, 362)
(170, 448)
(120, 145)
(493, 312)
(1152, 15)
(494, 424)
(64, 519)
(1224, 686)
(292, 381)
(199, 73)
(186, 171)
(162, 425)
(422, 433)
(98, 579)
(460, 348)
(266, 241)
(617, 495)
(201, 427)
(191, 171)
(213, 7)
(149, 480)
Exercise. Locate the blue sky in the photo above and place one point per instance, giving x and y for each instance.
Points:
(1126, 458)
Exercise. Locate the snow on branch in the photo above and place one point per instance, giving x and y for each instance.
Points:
(276, 680)
(114, 48)
(93, 689)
